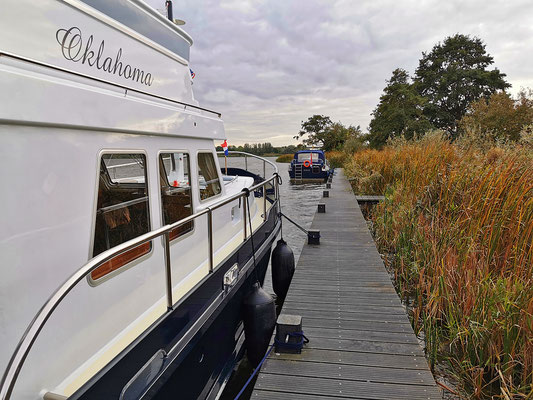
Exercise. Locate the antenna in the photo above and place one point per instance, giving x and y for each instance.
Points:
(170, 13)
(168, 5)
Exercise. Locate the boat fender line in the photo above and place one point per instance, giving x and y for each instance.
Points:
(280, 182)
(259, 317)
(282, 268)
(307, 163)
(255, 372)
(278, 178)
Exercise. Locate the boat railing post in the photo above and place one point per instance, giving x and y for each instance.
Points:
(264, 202)
(244, 216)
(210, 238)
(264, 170)
(168, 271)
(246, 162)
(276, 188)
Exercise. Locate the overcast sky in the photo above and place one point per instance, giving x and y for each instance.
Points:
(269, 65)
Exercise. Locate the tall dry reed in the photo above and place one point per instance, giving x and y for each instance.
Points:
(458, 223)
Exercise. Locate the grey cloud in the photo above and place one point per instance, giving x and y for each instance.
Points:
(268, 65)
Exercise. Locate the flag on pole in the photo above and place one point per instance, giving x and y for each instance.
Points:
(225, 148)
(192, 73)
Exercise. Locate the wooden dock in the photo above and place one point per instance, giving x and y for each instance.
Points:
(361, 344)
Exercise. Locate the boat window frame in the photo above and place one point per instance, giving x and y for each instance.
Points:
(86, 8)
(96, 282)
(191, 232)
(219, 174)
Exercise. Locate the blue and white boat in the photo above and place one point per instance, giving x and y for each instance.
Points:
(309, 166)
(125, 254)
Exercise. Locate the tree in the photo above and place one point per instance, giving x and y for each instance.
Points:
(316, 128)
(337, 135)
(399, 111)
(500, 116)
(355, 140)
(452, 76)
(321, 131)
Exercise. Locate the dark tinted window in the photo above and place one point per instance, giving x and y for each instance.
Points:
(175, 191)
(208, 176)
(122, 208)
(133, 17)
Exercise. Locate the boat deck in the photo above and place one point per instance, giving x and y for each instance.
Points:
(362, 345)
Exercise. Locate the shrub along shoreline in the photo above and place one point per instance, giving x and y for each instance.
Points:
(458, 221)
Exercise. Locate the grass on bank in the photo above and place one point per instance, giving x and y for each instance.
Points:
(458, 224)
(285, 158)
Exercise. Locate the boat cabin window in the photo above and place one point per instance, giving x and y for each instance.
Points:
(142, 22)
(175, 191)
(121, 210)
(208, 179)
(313, 157)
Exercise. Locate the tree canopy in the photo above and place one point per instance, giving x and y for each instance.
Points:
(322, 132)
(500, 116)
(399, 112)
(452, 76)
(316, 128)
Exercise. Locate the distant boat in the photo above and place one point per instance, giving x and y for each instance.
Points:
(309, 166)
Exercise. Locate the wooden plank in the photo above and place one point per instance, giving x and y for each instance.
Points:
(346, 389)
(381, 347)
(269, 395)
(352, 315)
(362, 345)
(370, 336)
(348, 372)
(354, 300)
(321, 306)
(334, 332)
(356, 358)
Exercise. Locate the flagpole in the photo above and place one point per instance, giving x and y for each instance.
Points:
(226, 162)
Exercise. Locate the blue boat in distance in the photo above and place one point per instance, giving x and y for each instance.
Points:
(309, 166)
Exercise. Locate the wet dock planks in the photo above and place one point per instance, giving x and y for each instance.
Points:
(361, 344)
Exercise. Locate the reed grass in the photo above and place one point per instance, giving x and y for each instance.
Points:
(458, 224)
(336, 158)
(285, 158)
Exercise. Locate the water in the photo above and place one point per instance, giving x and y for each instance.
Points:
(299, 203)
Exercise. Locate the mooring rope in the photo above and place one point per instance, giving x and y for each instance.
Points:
(293, 346)
(255, 372)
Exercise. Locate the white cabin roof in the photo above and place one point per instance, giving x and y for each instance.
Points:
(75, 66)
(130, 44)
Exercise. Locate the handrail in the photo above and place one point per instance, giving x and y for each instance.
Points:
(273, 165)
(24, 346)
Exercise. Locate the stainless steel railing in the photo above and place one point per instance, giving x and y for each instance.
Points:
(246, 155)
(32, 332)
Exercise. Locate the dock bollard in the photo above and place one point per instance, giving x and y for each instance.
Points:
(321, 208)
(289, 334)
(325, 193)
(328, 185)
(313, 236)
